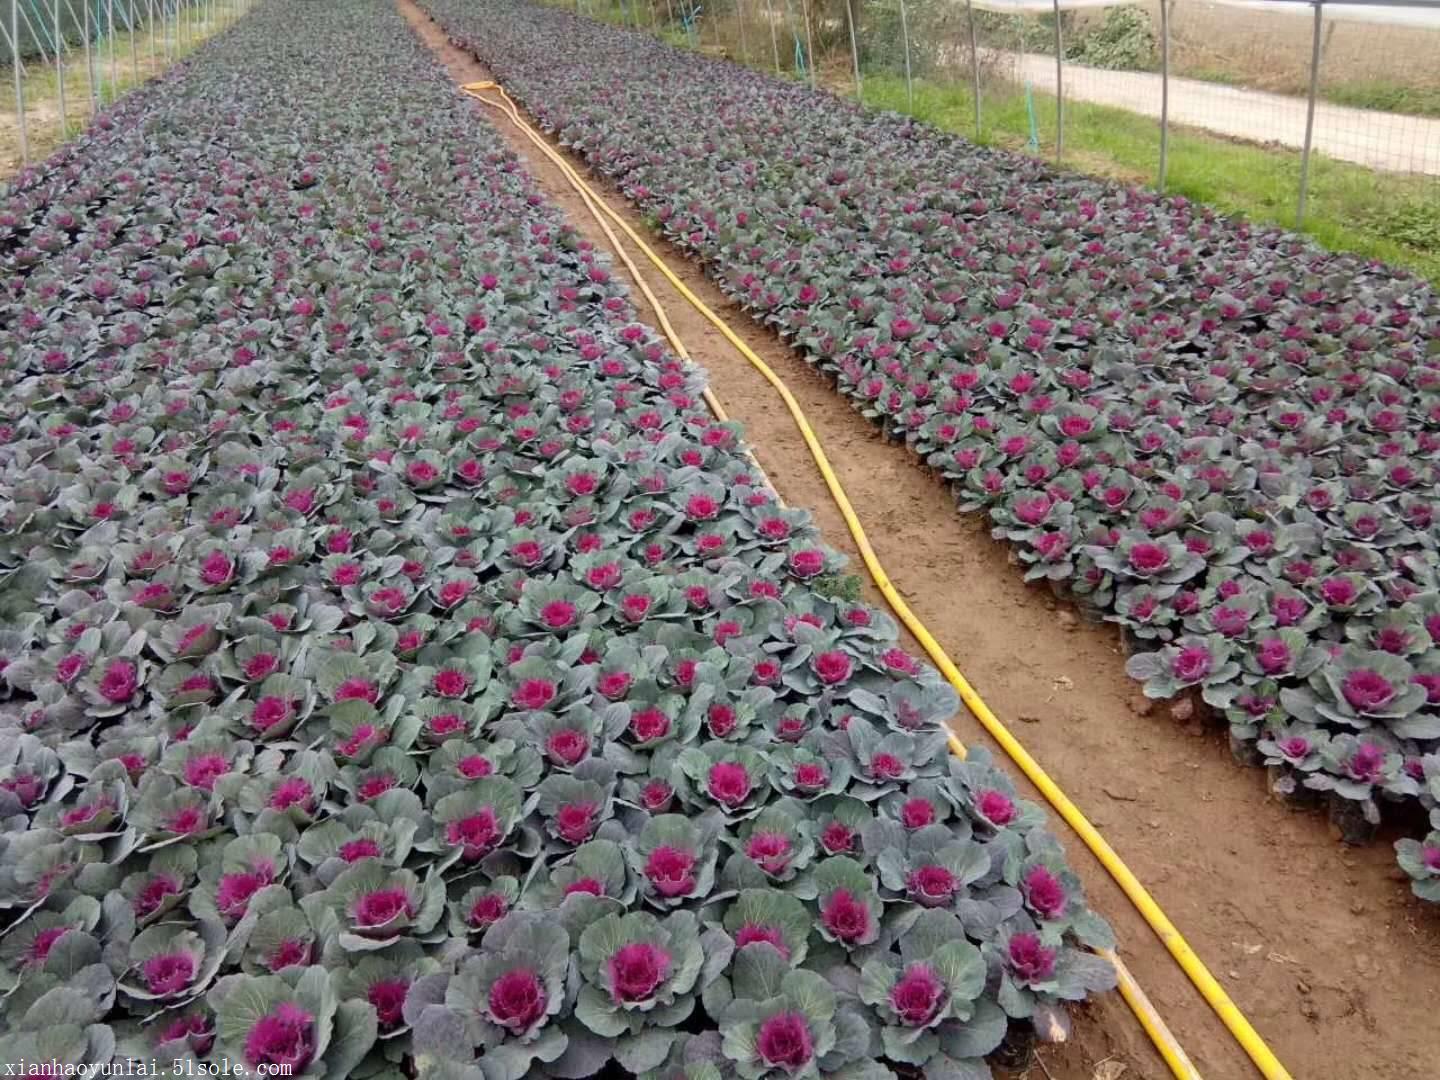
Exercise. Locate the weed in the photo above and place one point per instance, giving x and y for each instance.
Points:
(838, 587)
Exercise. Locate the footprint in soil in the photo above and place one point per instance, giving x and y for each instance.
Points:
(1326, 1004)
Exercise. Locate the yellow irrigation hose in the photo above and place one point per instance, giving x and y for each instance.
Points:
(1230, 1015)
(1159, 1033)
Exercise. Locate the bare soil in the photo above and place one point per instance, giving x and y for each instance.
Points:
(1325, 951)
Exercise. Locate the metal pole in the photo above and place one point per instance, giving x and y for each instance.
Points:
(114, 63)
(35, 35)
(150, 16)
(60, 71)
(774, 42)
(905, 34)
(90, 60)
(1309, 119)
(974, 63)
(11, 43)
(19, 81)
(854, 51)
(134, 44)
(810, 40)
(740, 18)
(74, 20)
(1059, 89)
(1164, 90)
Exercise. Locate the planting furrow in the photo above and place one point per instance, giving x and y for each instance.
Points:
(1216, 436)
(404, 673)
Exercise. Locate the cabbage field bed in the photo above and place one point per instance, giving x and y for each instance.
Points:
(405, 674)
(1217, 436)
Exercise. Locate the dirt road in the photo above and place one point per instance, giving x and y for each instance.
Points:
(1379, 140)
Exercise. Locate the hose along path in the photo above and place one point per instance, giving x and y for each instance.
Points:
(1230, 1015)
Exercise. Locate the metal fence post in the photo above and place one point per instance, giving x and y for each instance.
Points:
(854, 51)
(60, 69)
(905, 35)
(774, 40)
(974, 63)
(114, 63)
(1059, 89)
(810, 40)
(1164, 91)
(90, 59)
(10, 41)
(19, 81)
(1309, 118)
(35, 36)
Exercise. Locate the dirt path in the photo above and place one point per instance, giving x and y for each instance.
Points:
(1331, 959)
(1378, 140)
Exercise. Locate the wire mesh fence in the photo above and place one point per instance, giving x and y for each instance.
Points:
(64, 60)
(1303, 112)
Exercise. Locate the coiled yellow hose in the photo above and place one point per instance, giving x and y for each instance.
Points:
(1160, 1035)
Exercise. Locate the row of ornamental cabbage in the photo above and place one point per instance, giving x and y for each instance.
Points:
(1215, 435)
(404, 673)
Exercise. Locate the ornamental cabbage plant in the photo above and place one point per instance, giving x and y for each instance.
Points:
(402, 673)
(1241, 477)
